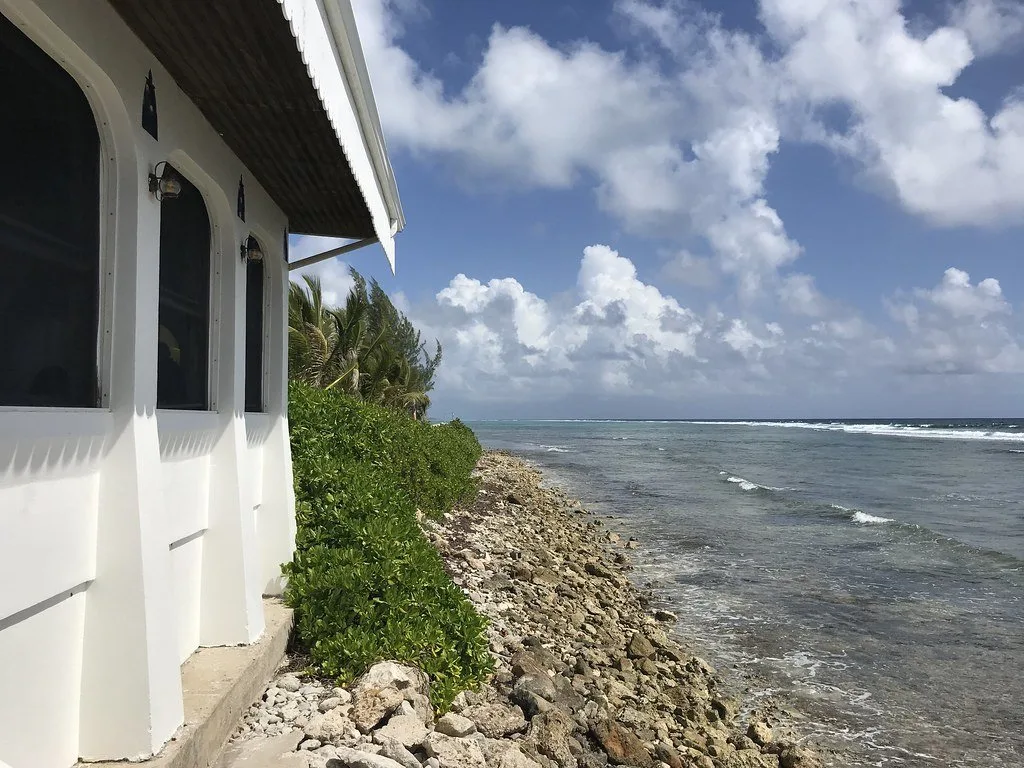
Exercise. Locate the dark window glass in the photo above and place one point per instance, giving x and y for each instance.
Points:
(49, 231)
(254, 299)
(184, 341)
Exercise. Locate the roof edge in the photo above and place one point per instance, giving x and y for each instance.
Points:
(342, 22)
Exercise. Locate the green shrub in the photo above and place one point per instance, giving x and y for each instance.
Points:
(365, 583)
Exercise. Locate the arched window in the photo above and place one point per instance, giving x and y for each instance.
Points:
(255, 297)
(184, 341)
(49, 231)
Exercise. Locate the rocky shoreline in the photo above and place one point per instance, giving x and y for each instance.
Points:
(586, 672)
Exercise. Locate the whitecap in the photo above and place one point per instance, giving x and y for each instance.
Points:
(865, 518)
(882, 429)
(747, 485)
(555, 449)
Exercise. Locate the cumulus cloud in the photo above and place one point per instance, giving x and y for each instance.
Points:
(959, 327)
(666, 152)
(609, 330)
(797, 293)
(942, 157)
(992, 26)
(611, 334)
(676, 133)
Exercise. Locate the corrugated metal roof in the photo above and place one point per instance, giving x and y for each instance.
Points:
(238, 61)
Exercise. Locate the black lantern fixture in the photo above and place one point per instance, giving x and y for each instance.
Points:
(251, 250)
(164, 184)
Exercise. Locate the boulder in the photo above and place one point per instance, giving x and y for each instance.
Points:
(354, 758)
(749, 758)
(795, 756)
(640, 647)
(496, 720)
(452, 724)
(407, 730)
(395, 750)
(725, 707)
(383, 688)
(451, 752)
(621, 746)
(535, 660)
(549, 735)
(759, 733)
(331, 727)
(514, 758)
(596, 569)
(546, 577)
(667, 754)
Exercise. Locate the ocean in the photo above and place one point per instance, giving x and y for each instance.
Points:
(866, 575)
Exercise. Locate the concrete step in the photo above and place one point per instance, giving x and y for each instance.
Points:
(219, 685)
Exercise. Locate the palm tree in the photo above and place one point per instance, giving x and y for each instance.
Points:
(367, 348)
(312, 332)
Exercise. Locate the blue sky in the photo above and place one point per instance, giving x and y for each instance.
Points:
(642, 208)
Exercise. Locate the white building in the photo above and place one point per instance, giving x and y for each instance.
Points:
(145, 479)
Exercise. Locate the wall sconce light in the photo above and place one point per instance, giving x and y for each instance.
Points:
(163, 184)
(251, 250)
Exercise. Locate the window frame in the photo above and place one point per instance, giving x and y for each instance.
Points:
(264, 337)
(107, 195)
(181, 167)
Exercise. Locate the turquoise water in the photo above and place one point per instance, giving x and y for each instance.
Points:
(867, 574)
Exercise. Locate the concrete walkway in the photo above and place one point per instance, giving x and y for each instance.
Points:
(219, 685)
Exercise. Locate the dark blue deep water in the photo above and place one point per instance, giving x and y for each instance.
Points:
(867, 575)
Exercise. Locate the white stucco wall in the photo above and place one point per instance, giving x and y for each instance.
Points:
(128, 535)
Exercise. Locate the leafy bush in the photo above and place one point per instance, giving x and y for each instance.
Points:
(365, 583)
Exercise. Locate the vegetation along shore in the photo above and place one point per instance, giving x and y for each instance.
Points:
(453, 612)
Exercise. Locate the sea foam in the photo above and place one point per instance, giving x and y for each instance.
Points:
(888, 430)
(747, 485)
(865, 518)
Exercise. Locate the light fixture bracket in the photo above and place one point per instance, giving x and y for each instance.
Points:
(163, 184)
(250, 250)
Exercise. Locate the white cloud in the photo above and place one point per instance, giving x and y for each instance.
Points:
(797, 293)
(688, 269)
(942, 157)
(992, 26)
(959, 298)
(680, 147)
(611, 333)
(675, 136)
(959, 327)
(742, 339)
(679, 152)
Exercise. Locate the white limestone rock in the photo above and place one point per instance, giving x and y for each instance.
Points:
(455, 725)
(407, 730)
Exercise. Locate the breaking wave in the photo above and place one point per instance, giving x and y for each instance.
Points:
(865, 518)
(1008, 432)
(858, 516)
(747, 485)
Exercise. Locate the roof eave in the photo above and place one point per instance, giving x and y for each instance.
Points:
(332, 54)
(342, 22)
